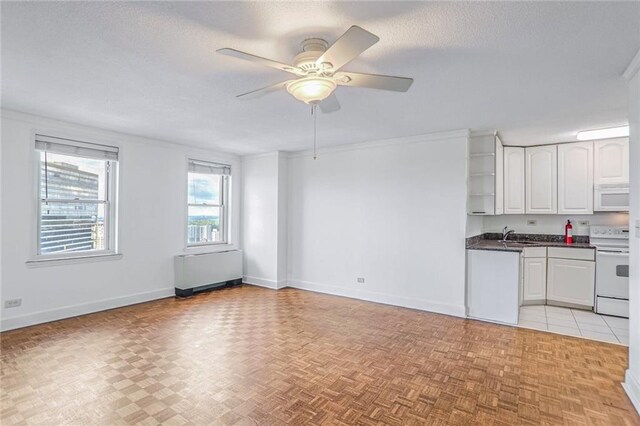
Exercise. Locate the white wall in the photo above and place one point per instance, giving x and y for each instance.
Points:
(283, 218)
(632, 379)
(475, 225)
(264, 237)
(551, 224)
(151, 216)
(393, 213)
(1, 235)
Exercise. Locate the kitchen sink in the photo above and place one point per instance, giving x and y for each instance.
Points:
(523, 243)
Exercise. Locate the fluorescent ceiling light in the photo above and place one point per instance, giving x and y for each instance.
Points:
(611, 132)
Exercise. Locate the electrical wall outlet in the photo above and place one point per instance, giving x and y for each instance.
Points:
(532, 222)
(12, 303)
(361, 280)
(583, 222)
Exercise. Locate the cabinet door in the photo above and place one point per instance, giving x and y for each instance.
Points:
(541, 179)
(611, 161)
(575, 178)
(571, 281)
(513, 180)
(499, 190)
(535, 279)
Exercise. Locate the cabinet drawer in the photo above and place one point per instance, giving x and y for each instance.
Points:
(572, 253)
(534, 252)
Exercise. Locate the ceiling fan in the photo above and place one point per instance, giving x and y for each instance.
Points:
(318, 73)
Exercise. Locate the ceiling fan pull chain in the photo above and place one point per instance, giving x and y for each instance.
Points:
(315, 117)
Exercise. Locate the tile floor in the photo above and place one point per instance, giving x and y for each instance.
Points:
(575, 322)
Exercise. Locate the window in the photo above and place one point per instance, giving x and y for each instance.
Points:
(207, 203)
(76, 206)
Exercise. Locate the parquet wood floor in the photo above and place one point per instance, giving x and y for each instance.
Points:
(248, 355)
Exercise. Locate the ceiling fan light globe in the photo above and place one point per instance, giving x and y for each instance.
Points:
(311, 89)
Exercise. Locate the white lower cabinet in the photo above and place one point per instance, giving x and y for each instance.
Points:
(534, 272)
(535, 280)
(571, 281)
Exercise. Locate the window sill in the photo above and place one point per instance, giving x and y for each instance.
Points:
(209, 248)
(55, 261)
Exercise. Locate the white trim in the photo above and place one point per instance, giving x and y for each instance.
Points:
(42, 261)
(631, 386)
(633, 68)
(209, 248)
(110, 137)
(495, 322)
(387, 299)
(478, 133)
(428, 137)
(226, 198)
(110, 203)
(113, 192)
(264, 282)
(83, 309)
(263, 155)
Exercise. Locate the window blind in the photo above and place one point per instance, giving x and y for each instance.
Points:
(76, 148)
(204, 167)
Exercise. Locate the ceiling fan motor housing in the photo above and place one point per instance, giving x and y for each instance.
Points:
(312, 49)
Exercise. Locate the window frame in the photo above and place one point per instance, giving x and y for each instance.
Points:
(110, 208)
(224, 207)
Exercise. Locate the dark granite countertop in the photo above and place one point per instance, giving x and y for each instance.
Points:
(518, 242)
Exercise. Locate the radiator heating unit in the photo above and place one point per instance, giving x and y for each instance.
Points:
(205, 271)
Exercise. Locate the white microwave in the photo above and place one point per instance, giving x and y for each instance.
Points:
(611, 198)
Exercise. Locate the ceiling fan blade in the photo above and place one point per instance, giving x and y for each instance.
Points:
(330, 104)
(373, 81)
(260, 60)
(264, 91)
(350, 44)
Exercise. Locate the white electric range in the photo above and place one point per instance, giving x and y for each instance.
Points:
(612, 269)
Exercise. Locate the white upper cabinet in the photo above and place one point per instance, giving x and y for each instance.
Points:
(513, 180)
(541, 180)
(575, 178)
(611, 161)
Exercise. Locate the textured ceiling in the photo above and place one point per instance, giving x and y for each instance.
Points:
(537, 72)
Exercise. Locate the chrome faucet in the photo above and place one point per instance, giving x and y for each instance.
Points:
(506, 232)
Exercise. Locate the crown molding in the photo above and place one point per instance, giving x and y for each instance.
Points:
(633, 68)
(76, 130)
(262, 155)
(454, 134)
(492, 132)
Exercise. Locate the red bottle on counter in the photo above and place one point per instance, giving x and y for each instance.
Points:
(568, 233)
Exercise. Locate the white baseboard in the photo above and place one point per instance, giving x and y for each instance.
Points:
(631, 385)
(263, 282)
(82, 309)
(387, 299)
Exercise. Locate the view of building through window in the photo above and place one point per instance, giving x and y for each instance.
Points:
(72, 211)
(205, 208)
